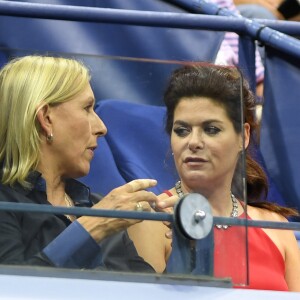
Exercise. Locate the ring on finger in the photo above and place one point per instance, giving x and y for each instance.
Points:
(139, 206)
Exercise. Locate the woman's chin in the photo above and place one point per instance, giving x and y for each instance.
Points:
(82, 172)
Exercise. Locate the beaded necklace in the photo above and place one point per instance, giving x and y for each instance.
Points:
(234, 212)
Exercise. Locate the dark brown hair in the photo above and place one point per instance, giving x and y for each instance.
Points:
(223, 86)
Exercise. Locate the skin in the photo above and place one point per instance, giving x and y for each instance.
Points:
(206, 149)
(76, 127)
(202, 136)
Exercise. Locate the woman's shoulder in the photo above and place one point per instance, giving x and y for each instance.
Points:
(263, 214)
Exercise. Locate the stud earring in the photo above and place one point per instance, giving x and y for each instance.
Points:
(50, 138)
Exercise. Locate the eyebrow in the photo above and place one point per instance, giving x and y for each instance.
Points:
(92, 99)
(183, 123)
(179, 122)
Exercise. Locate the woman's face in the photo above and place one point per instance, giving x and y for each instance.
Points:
(75, 127)
(205, 144)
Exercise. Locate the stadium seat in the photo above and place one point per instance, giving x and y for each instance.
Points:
(136, 146)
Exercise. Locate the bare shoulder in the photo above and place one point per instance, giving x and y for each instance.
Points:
(262, 214)
(286, 243)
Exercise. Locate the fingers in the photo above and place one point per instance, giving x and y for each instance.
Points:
(142, 196)
(169, 234)
(142, 206)
(167, 203)
(118, 199)
(138, 185)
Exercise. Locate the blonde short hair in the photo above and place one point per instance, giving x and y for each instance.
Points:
(26, 84)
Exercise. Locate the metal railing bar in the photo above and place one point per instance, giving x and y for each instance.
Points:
(257, 223)
(157, 216)
(119, 16)
(239, 25)
(287, 27)
(256, 30)
(196, 6)
(84, 211)
(134, 17)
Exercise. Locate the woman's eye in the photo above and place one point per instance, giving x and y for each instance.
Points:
(212, 130)
(88, 108)
(181, 131)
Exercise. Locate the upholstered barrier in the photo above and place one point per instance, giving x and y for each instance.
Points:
(279, 143)
(136, 146)
(104, 174)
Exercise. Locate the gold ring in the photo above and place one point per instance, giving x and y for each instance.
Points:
(139, 207)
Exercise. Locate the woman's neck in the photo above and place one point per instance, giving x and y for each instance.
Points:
(220, 198)
(55, 187)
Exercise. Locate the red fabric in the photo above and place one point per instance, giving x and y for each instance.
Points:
(168, 193)
(266, 264)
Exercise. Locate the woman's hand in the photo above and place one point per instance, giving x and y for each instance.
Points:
(130, 196)
(127, 196)
(166, 204)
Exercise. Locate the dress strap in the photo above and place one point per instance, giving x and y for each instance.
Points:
(168, 193)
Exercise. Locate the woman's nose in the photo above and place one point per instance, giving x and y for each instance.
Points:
(196, 141)
(100, 128)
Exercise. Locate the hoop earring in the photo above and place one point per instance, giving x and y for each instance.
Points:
(50, 138)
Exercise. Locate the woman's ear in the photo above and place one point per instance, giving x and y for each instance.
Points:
(43, 117)
(246, 134)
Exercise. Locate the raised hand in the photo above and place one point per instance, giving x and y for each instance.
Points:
(130, 196)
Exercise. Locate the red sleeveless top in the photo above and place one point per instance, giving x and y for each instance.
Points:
(266, 267)
(266, 264)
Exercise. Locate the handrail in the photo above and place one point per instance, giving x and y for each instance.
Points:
(119, 16)
(240, 25)
(84, 211)
(256, 30)
(287, 27)
(157, 216)
(203, 6)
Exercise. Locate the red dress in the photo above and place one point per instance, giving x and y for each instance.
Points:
(266, 264)
(266, 267)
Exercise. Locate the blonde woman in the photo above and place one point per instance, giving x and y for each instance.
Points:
(48, 134)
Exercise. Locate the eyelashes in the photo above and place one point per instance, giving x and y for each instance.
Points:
(185, 131)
